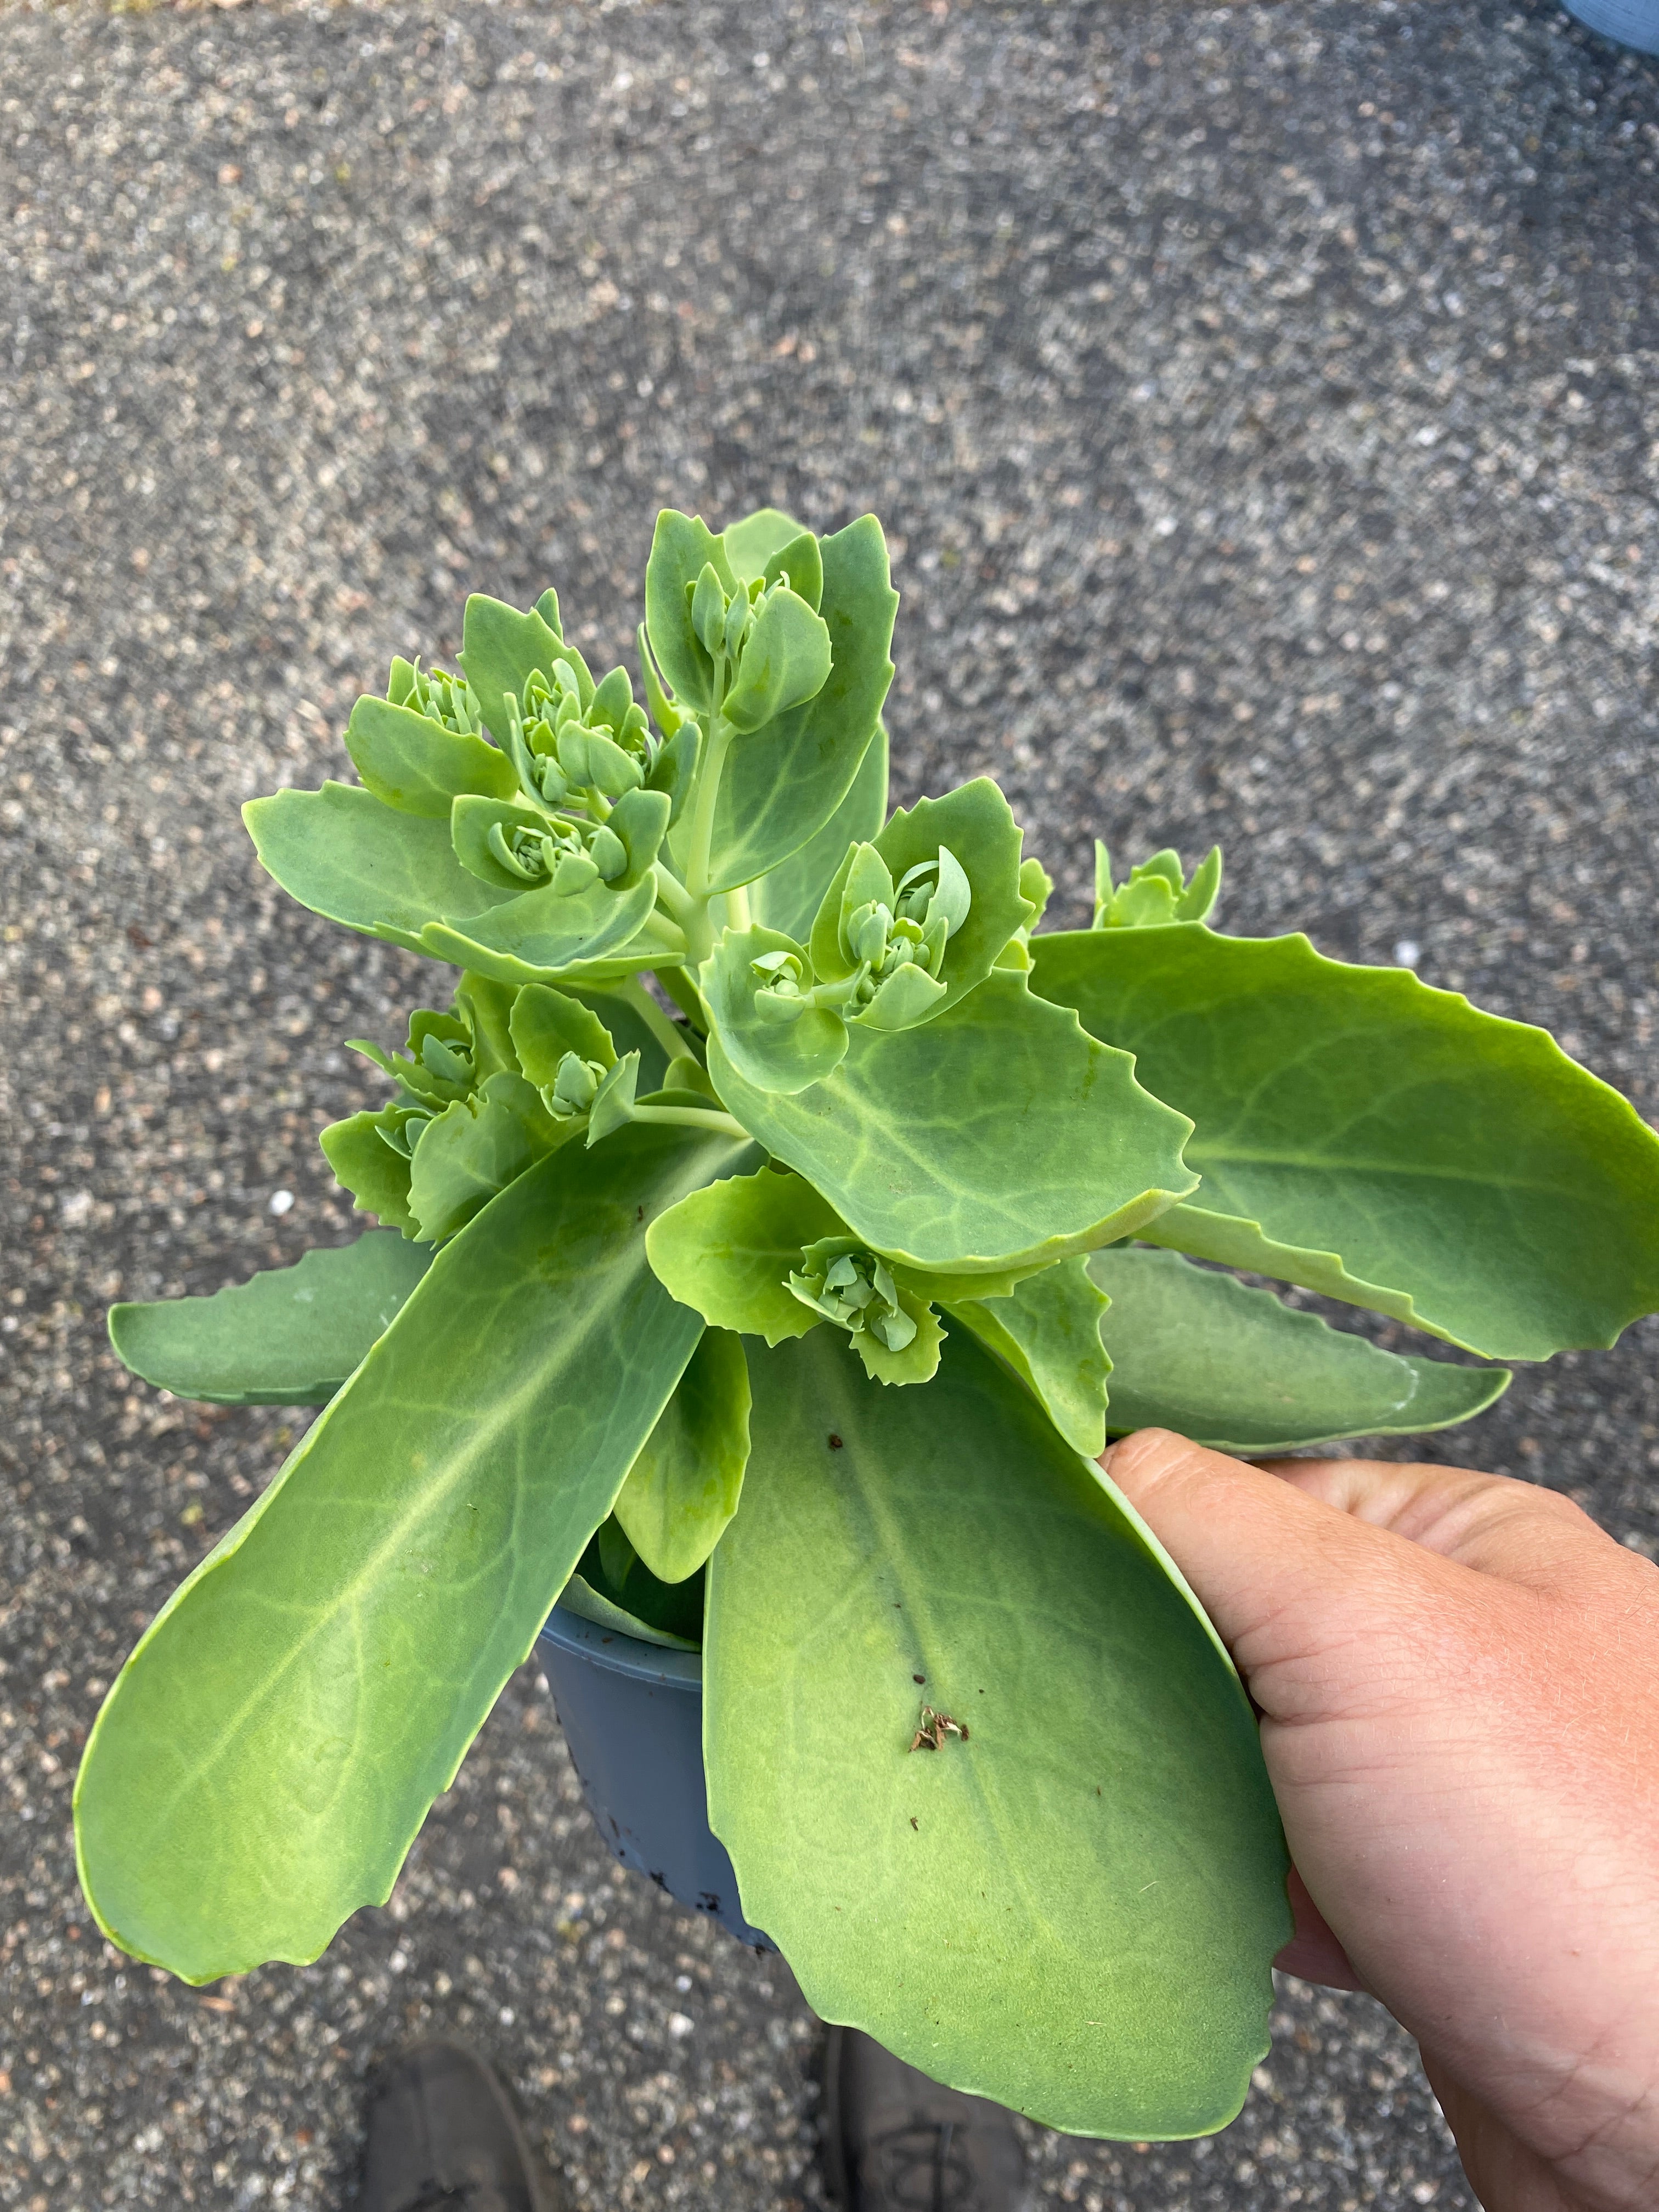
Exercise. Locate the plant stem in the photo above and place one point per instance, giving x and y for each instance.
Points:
(670, 1035)
(692, 1117)
(737, 916)
(717, 744)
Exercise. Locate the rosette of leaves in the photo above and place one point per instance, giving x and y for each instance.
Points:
(775, 1222)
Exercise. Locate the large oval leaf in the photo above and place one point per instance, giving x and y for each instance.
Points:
(268, 1752)
(290, 1336)
(1074, 1911)
(1234, 1369)
(1383, 1142)
(997, 1134)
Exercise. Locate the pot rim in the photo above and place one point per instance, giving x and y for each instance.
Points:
(621, 1653)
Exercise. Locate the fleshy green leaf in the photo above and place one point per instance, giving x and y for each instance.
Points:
(1074, 1910)
(899, 1138)
(682, 546)
(1383, 1142)
(417, 767)
(369, 1154)
(486, 1007)
(800, 565)
(268, 1752)
(1048, 1330)
(786, 659)
(1232, 1368)
(502, 649)
(752, 544)
(781, 786)
(788, 898)
(347, 857)
(548, 1023)
(613, 1103)
(726, 1251)
(474, 1149)
(684, 1485)
(542, 933)
(975, 825)
(743, 986)
(289, 1337)
(673, 1610)
(579, 1597)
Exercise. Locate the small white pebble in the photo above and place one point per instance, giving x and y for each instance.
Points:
(281, 1200)
(678, 2024)
(506, 2016)
(1407, 953)
(76, 1206)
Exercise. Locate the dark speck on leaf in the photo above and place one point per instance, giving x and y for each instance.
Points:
(918, 1678)
(835, 1441)
(639, 1213)
(913, 1823)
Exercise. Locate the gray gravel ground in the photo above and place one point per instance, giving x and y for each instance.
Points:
(1261, 403)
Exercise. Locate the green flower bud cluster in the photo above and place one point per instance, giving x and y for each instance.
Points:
(769, 649)
(854, 1288)
(448, 1058)
(879, 960)
(568, 855)
(1157, 892)
(437, 696)
(566, 755)
(575, 1086)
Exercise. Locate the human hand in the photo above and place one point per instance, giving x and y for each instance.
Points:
(1458, 1679)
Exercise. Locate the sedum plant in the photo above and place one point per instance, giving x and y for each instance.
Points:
(774, 1229)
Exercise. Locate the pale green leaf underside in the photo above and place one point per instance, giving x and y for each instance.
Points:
(1080, 1921)
(1233, 1368)
(269, 1750)
(289, 1336)
(998, 1133)
(1471, 1177)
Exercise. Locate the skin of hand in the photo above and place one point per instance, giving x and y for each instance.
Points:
(1458, 1681)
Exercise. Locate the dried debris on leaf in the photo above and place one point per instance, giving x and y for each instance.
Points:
(935, 1727)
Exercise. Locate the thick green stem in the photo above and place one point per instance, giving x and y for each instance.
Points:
(716, 745)
(690, 914)
(670, 1035)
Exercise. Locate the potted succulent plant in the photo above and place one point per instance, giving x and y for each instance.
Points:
(776, 1227)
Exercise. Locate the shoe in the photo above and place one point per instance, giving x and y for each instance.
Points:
(443, 2136)
(895, 2141)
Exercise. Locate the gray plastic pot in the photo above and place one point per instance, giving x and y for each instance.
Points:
(1632, 22)
(632, 1714)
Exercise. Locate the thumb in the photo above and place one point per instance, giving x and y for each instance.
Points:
(1300, 1591)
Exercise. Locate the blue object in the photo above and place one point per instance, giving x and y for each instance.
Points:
(1632, 22)
(632, 1714)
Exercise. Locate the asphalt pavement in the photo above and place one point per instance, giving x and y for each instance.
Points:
(1260, 403)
